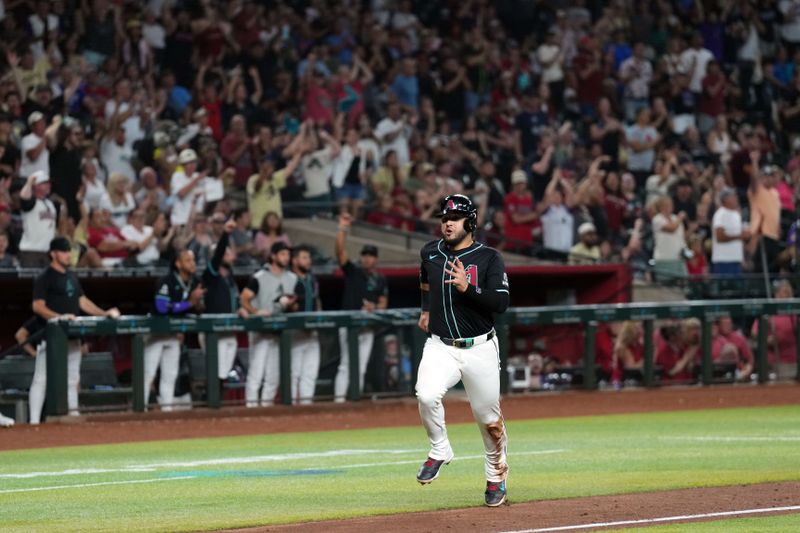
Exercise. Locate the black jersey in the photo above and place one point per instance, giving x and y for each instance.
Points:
(222, 293)
(172, 294)
(456, 315)
(61, 291)
(360, 285)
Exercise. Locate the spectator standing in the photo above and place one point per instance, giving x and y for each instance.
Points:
(694, 63)
(67, 159)
(187, 189)
(765, 214)
(636, 73)
(521, 215)
(270, 232)
(349, 174)
(305, 343)
(241, 238)
(712, 98)
(264, 188)
(118, 199)
(270, 291)
(39, 218)
(642, 139)
(236, 151)
(115, 153)
(365, 290)
(551, 60)
(669, 241)
(729, 234)
(406, 85)
(393, 132)
(35, 154)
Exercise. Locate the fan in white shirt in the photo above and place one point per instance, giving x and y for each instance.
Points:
(118, 199)
(393, 132)
(138, 232)
(186, 187)
(116, 155)
(35, 155)
(94, 188)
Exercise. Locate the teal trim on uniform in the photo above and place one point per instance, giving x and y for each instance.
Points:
(211, 269)
(444, 303)
(470, 251)
(501, 290)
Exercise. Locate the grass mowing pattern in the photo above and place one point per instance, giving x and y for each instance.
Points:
(789, 523)
(601, 455)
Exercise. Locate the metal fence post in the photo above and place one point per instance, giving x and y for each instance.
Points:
(589, 355)
(354, 374)
(286, 366)
(649, 356)
(57, 353)
(212, 371)
(761, 354)
(140, 393)
(706, 364)
(502, 343)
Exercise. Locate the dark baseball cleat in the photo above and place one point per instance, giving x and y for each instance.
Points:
(495, 493)
(430, 470)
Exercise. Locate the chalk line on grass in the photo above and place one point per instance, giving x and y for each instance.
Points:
(734, 438)
(702, 516)
(206, 462)
(87, 485)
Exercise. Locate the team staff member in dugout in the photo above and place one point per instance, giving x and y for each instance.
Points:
(305, 343)
(57, 293)
(463, 285)
(364, 289)
(177, 293)
(222, 296)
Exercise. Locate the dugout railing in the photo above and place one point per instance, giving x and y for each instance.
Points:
(589, 316)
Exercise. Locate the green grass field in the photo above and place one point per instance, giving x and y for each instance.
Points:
(270, 479)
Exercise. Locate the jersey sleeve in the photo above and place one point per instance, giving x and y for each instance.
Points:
(163, 301)
(39, 288)
(252, 284)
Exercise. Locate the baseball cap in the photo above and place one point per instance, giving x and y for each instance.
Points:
(39, 177)
(369, 249)
(60, 244)
(35, 117)
(278, 247)
(187, 156)
(518, 176)
(586, 227)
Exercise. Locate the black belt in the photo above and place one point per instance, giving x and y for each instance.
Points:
(466, 343)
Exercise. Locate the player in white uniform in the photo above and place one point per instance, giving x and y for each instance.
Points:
(463, 285)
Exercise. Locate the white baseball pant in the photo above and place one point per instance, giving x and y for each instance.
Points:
(365, 340)
(165, 352)
(305, 366)
(36, 393)
(263, 371)
(226, 352)
(442, 366)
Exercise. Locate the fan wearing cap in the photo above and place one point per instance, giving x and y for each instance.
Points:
(521, 214)
(728, 236)
(35, 155)
(57, 294)
(39, 220)
(365, 290)
(186, 188)
(463, 285)
(586, 251)
(269, 291)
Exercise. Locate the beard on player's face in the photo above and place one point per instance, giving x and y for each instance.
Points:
(453, 231)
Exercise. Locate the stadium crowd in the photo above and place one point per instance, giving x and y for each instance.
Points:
(663, 133)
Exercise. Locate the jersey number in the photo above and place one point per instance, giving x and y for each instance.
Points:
(472, 275)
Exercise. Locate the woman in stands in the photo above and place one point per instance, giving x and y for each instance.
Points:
(271, 232)
(628, 350)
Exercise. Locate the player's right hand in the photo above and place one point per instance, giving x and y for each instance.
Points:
(423, 321)
(344, 220)
(66, 316)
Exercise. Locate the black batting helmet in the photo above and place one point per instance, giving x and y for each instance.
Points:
(458, 204)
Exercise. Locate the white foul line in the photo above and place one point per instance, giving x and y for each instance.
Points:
(86, 485)
(661, 519)
(736, 439)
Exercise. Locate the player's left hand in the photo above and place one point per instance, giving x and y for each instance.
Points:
(458, 276)
(113, 313)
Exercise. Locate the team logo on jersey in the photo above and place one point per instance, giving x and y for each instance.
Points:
(472, 274)
(69, 288)
(505, 280)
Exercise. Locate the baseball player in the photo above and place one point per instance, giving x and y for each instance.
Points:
(269, 291)
(463, 285)
(57, 293)
(305, 344)
(222, 296)
(365, 289)
(177, 293)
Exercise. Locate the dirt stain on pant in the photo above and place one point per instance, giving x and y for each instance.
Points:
(497, 432)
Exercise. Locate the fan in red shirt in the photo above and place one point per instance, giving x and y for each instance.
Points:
(729, 345)
(106, 238)
(697, 265)
(677, 348)
(588, 65)
(521, 216)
